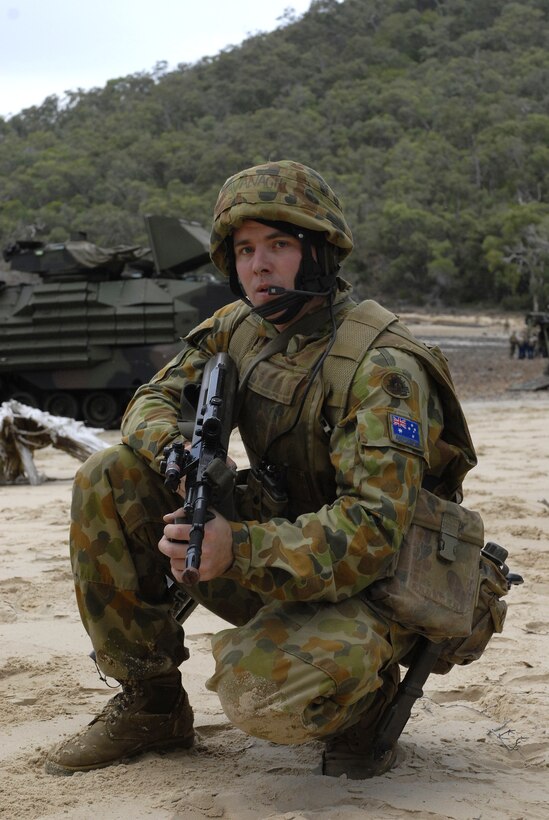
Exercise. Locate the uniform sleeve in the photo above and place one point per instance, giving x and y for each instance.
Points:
(379, 452)
(150, 421)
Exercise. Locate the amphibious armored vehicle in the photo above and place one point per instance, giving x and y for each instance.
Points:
(82, 326)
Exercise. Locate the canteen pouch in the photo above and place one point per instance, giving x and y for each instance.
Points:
(488, 617)
(433, 584)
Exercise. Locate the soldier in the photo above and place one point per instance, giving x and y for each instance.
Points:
(351, 415)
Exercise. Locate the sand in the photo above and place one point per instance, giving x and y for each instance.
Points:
(476, 745)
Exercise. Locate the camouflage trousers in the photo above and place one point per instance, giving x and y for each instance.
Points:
(286, 671)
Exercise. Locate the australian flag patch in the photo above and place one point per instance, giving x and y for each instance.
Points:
(405, 431)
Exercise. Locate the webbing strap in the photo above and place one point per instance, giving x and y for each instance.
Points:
(355, 336)
(361, 328)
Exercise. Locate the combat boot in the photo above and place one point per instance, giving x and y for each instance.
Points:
(145, 716)
(351, 752)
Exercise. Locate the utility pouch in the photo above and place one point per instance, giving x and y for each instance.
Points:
(432, 586)
(264, 495)
(488, 617)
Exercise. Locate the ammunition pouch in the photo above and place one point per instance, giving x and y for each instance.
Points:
(432, 586)
(263, 496)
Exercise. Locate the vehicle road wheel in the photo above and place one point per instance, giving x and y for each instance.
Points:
(24, 397)
(61, 404)
(100, 409)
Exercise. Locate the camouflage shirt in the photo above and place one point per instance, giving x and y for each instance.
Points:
(341, 532)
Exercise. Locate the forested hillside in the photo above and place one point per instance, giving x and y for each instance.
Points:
(429, 118)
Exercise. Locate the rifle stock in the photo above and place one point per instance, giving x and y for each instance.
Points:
(410, 689)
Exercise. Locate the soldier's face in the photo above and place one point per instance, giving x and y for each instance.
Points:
(265, 257)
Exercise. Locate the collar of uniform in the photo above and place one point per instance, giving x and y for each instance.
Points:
(343, 303)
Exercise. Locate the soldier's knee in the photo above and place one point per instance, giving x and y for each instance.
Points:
(113, 459)
(91, 472)
(266, 691)
(257, 706)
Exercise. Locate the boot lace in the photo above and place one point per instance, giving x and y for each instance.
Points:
(122, 701)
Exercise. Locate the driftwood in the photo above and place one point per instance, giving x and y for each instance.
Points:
(26, 429)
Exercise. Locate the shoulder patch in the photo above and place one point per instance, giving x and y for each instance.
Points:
(397, 385)
(405, 431)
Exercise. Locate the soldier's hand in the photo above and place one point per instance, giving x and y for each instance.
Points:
(217, 546)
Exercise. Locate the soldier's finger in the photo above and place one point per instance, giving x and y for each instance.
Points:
(171, 516)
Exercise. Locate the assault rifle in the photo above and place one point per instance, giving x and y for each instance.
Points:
(207, 478)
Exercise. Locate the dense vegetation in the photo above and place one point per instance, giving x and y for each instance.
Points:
(429, 118)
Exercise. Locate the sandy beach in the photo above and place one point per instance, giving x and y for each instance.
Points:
(477, 745)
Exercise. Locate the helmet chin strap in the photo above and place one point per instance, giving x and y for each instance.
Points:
(290, 302)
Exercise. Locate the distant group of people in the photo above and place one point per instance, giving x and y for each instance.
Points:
(527, 344)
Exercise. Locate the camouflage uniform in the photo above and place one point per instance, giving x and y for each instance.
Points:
(307, 651)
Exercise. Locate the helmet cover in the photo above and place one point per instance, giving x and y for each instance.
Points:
(284, 191)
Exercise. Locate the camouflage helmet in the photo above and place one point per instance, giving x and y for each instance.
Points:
(283, 191)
